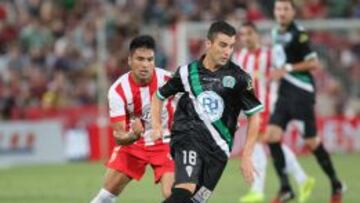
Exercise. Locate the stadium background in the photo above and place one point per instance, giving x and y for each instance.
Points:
(58, 57)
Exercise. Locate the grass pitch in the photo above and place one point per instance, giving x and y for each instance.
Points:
(79, 182)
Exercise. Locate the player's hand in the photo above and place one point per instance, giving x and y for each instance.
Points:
(247, 169)
(156, 133)
(137, 127)
(277, 74)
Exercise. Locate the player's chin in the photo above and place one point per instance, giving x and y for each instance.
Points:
(222, 61)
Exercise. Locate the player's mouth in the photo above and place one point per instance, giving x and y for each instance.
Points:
(144, 72)
(224, 59)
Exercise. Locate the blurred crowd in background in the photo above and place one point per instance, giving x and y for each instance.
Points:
(48, 48)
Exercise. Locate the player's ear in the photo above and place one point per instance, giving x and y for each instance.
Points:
(129, 60)
(208, 43)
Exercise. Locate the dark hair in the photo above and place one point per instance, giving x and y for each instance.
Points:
(289, 1)
(142, 41)
(220, 27)
(249, 24)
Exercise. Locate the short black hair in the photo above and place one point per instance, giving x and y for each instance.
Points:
(142, 41)
(289, 1)
(250, 24)
(220, 27)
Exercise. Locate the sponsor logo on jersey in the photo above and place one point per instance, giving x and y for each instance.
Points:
(211, 105)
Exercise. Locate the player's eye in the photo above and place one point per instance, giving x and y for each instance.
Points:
(140, 58)
(222, 44)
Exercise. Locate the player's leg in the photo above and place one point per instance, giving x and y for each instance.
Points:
(114, 183)
(278, 122)
(256, 193)
(313, 142)
(188, 169)
(122, 168)
(293, 165)
(324, 160)
(212, 170)
(167, 182)
(163, 167)
(305, 183)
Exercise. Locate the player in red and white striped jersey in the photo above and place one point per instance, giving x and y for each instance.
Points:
(256, 60)
(129, 105)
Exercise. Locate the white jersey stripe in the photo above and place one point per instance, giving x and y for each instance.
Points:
(128, 94)
(145, 111)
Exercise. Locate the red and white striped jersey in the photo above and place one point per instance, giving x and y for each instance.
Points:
(129, 100)
(258, 64)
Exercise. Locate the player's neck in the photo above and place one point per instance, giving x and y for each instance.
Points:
(210, 64)
(284, 27)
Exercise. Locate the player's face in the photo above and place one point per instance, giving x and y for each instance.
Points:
(284, 13)
(248, 37)
(142, 63)
(221, 48)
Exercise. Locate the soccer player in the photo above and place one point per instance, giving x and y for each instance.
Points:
(294, 59)
(215, 91)
(256, 60)
(129, 102)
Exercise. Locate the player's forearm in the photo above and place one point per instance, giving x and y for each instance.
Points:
(156, 107)
(252, 134)
(124, 138)
(307, 65)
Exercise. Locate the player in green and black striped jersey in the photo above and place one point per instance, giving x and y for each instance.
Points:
(215, 92)
(293, 59)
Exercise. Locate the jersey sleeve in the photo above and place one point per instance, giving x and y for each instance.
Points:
(116, 106)
(305, 46)
(248, 99)
(171, 87)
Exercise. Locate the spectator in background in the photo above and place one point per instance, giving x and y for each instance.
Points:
(314, 9)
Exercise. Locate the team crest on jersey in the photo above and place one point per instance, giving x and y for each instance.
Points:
(211, 105)
(228, 81)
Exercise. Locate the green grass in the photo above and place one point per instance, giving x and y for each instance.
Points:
(79, 182)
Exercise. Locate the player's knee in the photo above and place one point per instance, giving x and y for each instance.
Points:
(179, 195)
(273, 134)
(312, 143)
(187, 186)
(115, 182)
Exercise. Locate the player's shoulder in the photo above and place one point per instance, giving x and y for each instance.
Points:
(162, 71)
(118, 82)
(239, 72)
(301, 33)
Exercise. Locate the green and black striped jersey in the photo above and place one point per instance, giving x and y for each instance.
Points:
(207, 113)
(293, 46)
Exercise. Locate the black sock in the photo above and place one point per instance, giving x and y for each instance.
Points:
(280, 165)
(323, 158)
(179, 195)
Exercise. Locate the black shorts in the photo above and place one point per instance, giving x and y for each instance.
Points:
(289, 109)
(191, 167)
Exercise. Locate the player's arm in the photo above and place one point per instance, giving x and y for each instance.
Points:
(310, 60)
(251, 138)
(156, 107)
(124, 137)
(251, 107)
(118, 117)
(171, 87)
